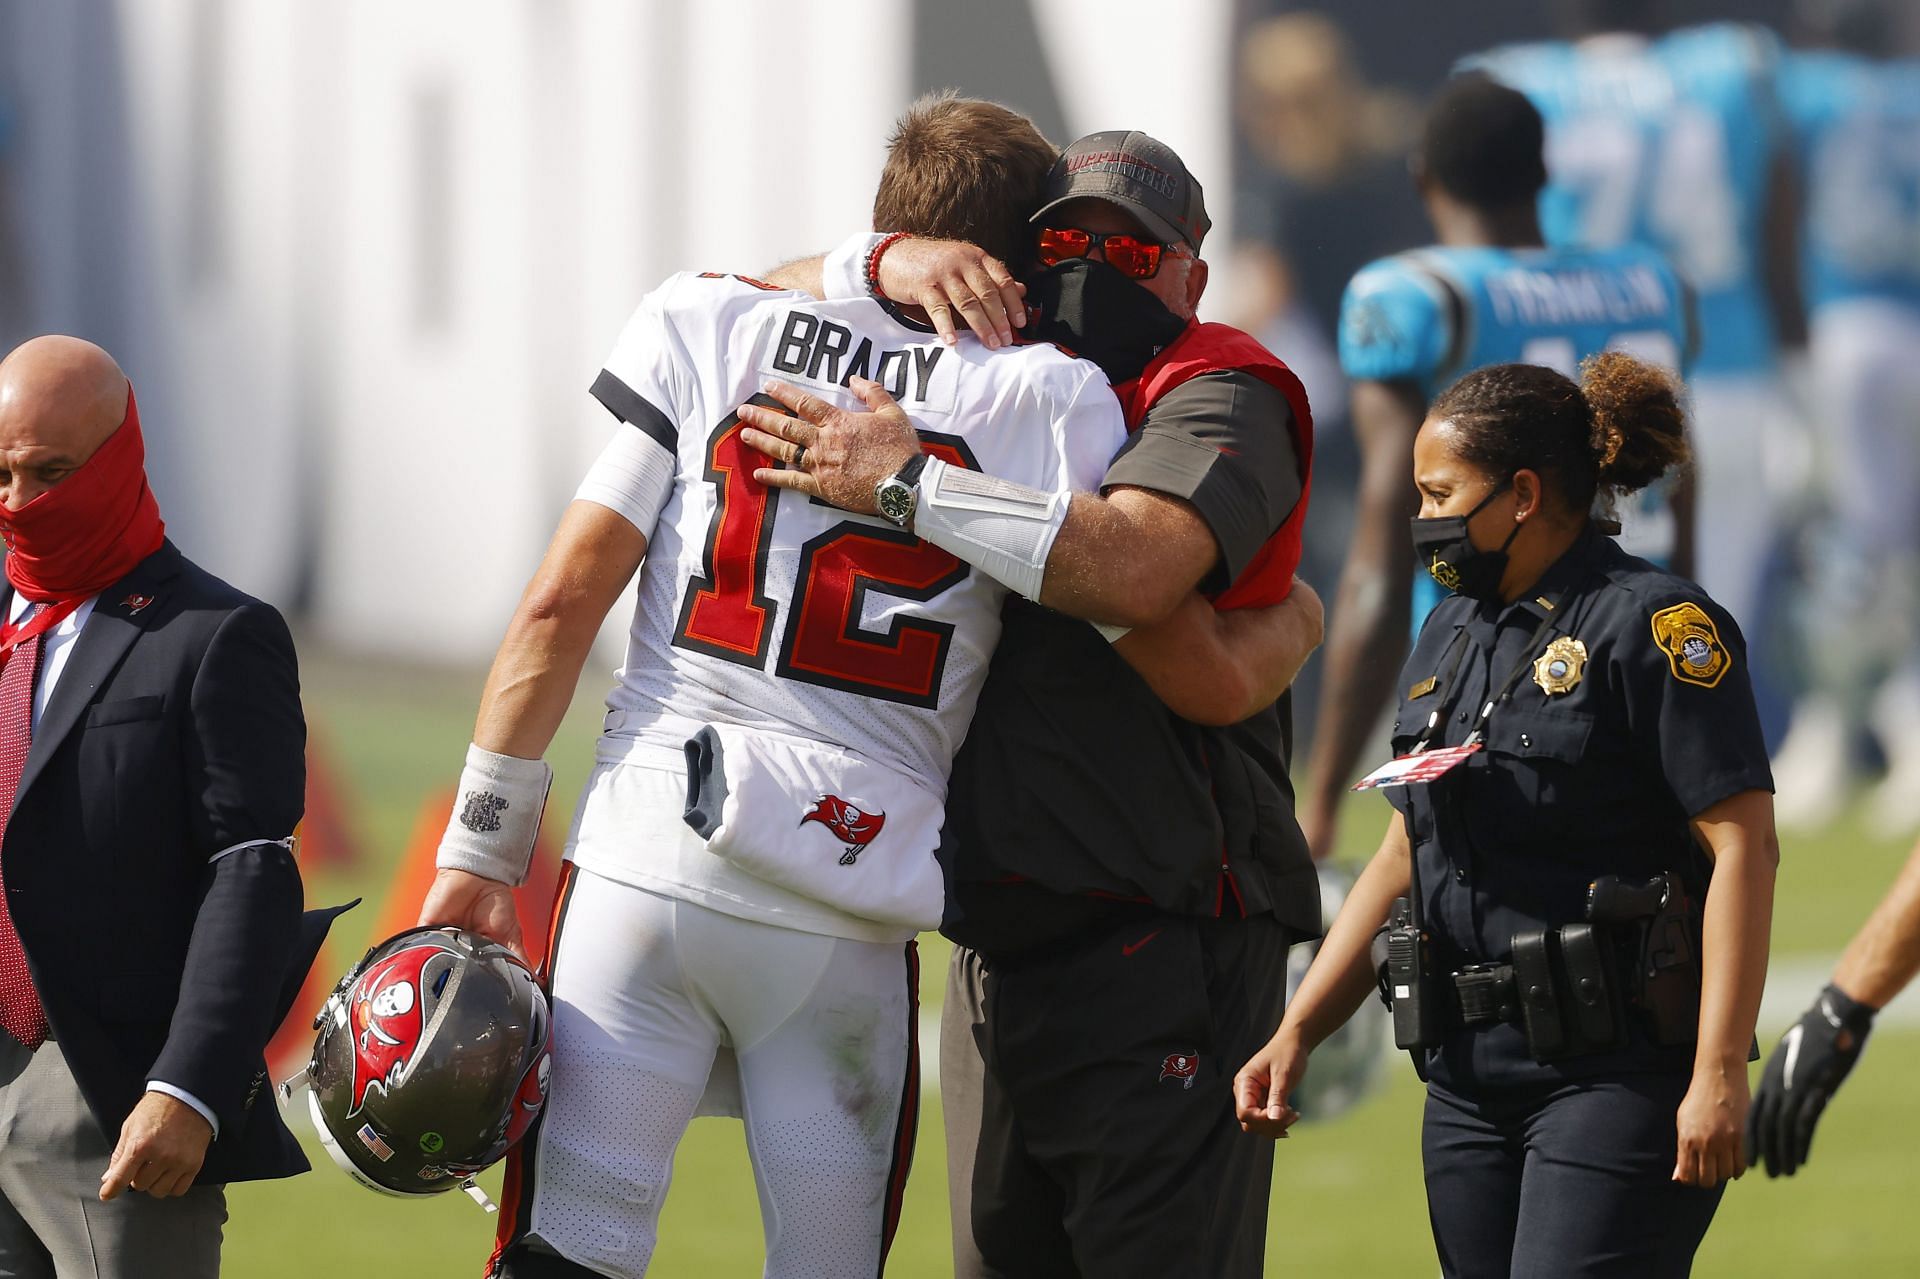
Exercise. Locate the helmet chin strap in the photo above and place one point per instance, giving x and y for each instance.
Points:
(296, 1081)
(478, 1195)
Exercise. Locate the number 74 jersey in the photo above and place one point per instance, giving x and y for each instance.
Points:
(770, 610)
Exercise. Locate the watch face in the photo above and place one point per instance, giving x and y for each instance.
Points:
(895, 501)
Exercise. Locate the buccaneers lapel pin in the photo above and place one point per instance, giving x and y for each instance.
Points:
(134, 603)
(1558, 669)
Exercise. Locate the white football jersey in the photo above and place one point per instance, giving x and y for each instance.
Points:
(769, 610)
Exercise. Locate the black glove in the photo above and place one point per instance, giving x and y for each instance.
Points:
(1802, 1075)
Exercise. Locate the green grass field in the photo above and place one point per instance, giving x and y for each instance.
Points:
(1347, 1198)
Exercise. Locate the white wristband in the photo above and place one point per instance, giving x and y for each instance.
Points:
(1005, 530)
(496, 816)
(843, 272)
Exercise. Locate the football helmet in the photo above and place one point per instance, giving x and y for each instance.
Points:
(432, 1060)
(1348, 1064)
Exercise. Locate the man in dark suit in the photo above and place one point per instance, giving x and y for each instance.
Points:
(151, 774)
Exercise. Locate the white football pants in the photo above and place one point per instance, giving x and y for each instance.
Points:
(654, 1001)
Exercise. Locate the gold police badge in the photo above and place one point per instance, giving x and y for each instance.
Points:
(1558, 669)
(1692, 644)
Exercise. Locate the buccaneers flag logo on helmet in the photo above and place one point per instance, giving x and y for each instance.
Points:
(387, 1018)
(854, 827)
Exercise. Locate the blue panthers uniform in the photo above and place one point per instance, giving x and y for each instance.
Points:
(1666, 142)
(1430, 315)
(1856, 127)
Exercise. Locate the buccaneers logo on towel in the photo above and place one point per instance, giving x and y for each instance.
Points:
(851, 826)
(387, 1019)
(1181, 1066)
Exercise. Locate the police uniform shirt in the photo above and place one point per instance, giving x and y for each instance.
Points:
(1076, 778)
(1651, 721)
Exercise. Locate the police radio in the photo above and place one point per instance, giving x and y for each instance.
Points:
(1411, 988)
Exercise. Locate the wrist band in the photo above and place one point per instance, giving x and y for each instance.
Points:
(1005, 530)
(873, 262)
(496, 816)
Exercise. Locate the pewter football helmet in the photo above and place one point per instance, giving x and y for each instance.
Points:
(431, 1061)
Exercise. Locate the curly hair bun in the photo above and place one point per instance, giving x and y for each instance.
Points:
(1639, 430)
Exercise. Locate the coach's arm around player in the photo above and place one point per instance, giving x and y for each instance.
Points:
(1128, 561)
(1219, 666)
(484, 855)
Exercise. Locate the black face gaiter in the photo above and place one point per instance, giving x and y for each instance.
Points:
(1097, 313)
(1444, 550)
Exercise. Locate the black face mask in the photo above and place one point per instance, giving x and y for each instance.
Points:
(1101, 315)
(1445, 550)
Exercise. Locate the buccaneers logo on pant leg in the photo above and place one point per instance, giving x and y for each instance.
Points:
(1181, 1066)
(853, 826)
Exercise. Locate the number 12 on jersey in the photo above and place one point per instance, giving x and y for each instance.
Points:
(727, 613)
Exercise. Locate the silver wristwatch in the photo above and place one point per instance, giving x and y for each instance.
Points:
(899, 493)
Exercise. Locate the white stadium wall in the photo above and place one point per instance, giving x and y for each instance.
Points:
(362, 259)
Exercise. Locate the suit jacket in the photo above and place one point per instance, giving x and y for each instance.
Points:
(174, 733)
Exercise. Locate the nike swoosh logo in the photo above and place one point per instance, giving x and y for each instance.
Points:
(1128, 950)
(1793, 1057)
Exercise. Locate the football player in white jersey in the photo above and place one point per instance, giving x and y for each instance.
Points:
(753, 854)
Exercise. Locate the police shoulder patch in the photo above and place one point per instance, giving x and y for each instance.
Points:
(1692, 644)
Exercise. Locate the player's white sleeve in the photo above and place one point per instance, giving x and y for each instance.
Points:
(633, 476)
(1090, 430)
(1004, 528)
(843, 272)
(644, 381)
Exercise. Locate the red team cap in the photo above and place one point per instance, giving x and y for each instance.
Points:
(1139, 173)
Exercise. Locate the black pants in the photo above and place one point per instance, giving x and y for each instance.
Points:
(1562, 1181)
(1089, 1107)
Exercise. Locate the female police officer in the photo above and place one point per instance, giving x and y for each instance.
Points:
(1583, 1026)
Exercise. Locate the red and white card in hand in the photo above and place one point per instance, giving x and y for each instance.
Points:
(1409, 770)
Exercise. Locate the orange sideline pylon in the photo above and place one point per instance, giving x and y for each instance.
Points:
(401, 907)
(328, 835)
(398, 911)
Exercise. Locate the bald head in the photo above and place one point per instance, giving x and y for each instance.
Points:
(60, 398)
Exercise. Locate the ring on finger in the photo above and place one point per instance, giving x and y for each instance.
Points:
(800, 455)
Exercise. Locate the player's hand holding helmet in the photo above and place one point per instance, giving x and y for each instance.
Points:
(1806, 1069)
(431, 1061)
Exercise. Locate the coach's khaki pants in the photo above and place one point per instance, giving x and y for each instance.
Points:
(52, 1223)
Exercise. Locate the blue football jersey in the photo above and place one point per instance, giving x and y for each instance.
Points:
(1430, 315)
(1667, 142)
(1856, 128)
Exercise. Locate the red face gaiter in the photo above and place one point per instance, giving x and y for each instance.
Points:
(87, 532)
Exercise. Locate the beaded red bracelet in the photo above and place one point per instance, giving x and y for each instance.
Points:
(873, 261)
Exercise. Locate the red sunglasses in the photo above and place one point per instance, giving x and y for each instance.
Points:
(1128, 254)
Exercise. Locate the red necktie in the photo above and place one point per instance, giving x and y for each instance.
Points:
(21, 1014)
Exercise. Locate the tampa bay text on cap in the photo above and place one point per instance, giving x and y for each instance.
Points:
(1137, 172)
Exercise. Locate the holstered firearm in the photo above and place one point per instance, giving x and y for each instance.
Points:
(1663, 924)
